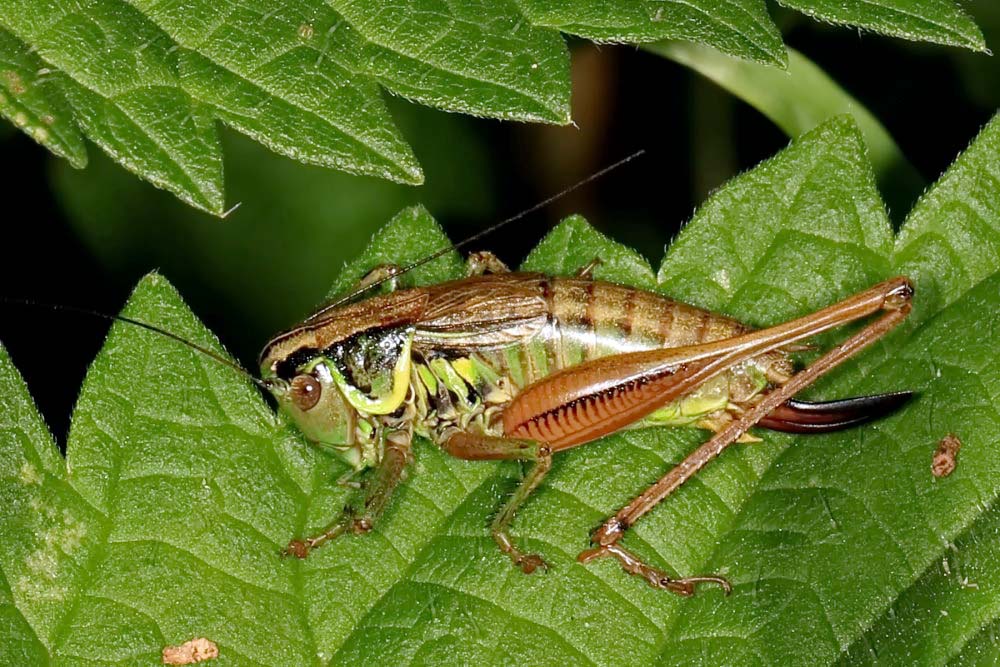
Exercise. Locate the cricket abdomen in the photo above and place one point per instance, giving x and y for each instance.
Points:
(594, 319)
(580, 320)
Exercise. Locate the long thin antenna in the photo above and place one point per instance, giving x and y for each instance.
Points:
(263, 384)
(489, 230)
(273, 386)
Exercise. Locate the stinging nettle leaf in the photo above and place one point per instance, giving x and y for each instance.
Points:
(738, 27)
(952, 237)
(818, 230)
(940, 615)
(938, 21)
(37, 105)
(148, 80)
(119, 76)
(477, 56)
(180, 486)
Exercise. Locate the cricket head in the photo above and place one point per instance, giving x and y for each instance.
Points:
(338, 391)
(310, 398)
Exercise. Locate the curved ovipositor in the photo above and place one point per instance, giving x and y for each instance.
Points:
(795, 416)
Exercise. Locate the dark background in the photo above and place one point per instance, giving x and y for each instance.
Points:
(85, 238)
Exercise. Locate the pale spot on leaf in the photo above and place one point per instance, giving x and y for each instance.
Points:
(29, 474)
(190, 652)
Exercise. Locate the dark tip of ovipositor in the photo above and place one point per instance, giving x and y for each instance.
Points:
(805, 417)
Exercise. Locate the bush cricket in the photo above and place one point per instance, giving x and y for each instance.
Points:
(503, 365)
(521, 366)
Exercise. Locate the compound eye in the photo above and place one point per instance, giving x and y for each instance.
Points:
(305, 392)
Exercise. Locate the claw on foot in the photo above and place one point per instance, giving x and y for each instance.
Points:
(302, 548)
(297, 548)
(529, 562)
(653, 576)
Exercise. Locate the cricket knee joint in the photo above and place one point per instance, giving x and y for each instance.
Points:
(900, 297)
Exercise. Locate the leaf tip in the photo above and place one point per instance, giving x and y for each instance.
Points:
(414, 212)
(770, 50)
(213, 202)
(973, 38)
(839, 129)
(776, 57)
(156, 286)
(408, 173)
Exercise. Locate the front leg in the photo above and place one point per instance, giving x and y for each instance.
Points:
(377, 492)
(481, 447)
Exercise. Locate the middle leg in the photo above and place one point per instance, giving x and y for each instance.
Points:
(480, 447)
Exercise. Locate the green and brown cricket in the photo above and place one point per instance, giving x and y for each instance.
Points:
(522, 366)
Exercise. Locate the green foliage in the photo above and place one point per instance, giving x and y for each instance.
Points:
(796, 99)
(180, 486)
(36, 104)
(148, 81)
(981, 80)
(741, 28)
(277, 254)
(939, 21)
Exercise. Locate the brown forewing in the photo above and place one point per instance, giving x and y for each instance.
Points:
(483, 312)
